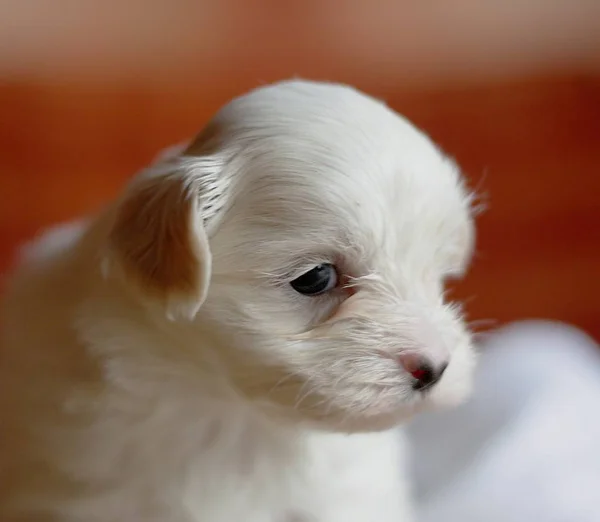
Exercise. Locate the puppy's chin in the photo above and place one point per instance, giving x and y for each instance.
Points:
(343, 410)
(361, 423)
(340, 421)
(349, 411)
(447, 394)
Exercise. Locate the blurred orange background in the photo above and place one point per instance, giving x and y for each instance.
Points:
(90, 91)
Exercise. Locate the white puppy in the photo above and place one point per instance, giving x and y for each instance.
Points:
(237, 337)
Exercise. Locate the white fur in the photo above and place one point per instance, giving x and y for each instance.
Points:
(241, 400)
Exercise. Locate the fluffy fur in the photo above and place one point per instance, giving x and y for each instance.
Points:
(157, 365)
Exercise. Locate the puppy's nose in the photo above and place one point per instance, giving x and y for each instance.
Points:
(427, 376)
(424, 372)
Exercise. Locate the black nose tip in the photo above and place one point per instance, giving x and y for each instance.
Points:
(426, 376)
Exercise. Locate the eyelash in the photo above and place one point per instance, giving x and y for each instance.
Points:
(308, 264)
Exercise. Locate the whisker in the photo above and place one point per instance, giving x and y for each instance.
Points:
(482, 323)
(305, 391)
(281, 382)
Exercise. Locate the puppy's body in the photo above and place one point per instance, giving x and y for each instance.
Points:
(158, 365)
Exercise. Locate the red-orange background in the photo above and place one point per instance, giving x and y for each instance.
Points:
(89, 91)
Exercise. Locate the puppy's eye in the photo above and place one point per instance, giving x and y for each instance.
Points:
(320, 279)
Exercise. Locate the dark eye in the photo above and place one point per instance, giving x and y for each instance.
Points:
(320, 279)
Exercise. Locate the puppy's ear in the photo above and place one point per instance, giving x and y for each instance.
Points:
(158, 238)
(159, 241)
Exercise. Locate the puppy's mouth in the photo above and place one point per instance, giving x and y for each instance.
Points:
(350, 394)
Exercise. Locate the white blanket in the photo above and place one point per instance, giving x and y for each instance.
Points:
(526, 448)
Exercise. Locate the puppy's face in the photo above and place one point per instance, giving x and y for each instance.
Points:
(319, 229)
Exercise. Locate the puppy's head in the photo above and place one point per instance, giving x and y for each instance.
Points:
(312, 230)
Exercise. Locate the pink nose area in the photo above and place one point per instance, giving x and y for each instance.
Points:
(411, 362)
(423, 371)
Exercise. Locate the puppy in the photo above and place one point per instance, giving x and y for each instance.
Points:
(238, 337)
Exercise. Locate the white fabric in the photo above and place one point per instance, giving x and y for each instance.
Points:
(527, 446)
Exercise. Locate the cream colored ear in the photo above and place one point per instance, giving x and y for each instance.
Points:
(158, 240)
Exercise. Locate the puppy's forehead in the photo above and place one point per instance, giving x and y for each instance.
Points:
(325, 125)
(313, 154)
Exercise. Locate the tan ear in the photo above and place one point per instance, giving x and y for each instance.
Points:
(158, 240)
